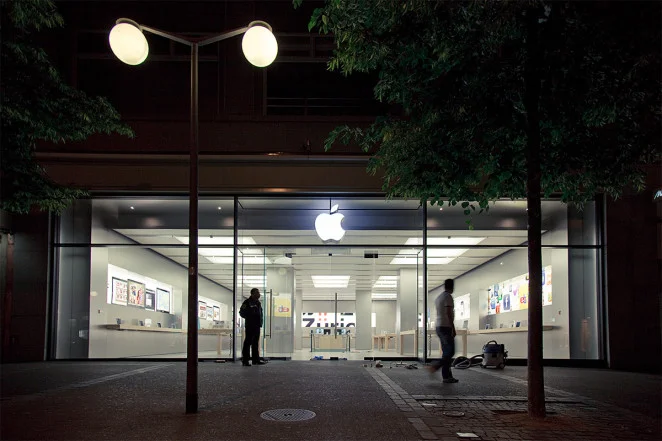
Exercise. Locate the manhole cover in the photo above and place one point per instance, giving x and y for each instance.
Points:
(288, 415)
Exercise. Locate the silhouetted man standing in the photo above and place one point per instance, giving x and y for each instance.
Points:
(446, 331)
(251, 312)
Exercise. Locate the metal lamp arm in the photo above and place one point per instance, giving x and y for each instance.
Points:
(224, 36)
(169, 36)
(200, 41)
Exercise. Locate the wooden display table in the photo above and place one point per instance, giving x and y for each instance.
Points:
(464, 332)
(207, 331)
(124, 327)
(323, 342)
(502, 330)
(216, 331)
(382, 342)
(458, 332)
(413, 332)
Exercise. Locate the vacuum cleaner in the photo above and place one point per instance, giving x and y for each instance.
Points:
(494, 355)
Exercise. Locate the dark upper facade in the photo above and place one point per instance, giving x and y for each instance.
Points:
(277, 115)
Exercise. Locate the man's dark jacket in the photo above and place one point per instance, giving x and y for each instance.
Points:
(251, 311)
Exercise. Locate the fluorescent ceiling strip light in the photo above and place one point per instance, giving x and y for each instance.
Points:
(214, 252)
(251, 281)
(436, 256)
(330, 281)
(386, 282)
(384, 296)
(414, 260)
(245, 260)
(466, 240)
(222, 240)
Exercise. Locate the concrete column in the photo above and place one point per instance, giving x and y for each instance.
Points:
(406, 313)
(363, 320)
(297, 311)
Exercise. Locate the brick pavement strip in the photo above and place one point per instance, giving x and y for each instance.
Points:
(496, 418)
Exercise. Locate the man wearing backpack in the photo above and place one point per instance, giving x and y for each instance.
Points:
(251, 312)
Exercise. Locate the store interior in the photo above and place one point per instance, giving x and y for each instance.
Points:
(360, 297)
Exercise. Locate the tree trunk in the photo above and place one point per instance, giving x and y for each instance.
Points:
(536, 381)
(8, 299)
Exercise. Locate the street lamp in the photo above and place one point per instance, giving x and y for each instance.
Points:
(128, 43)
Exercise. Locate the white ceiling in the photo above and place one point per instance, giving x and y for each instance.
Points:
(347, 258)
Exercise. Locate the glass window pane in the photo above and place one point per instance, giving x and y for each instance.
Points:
(293, 221)
(491, 301)
(132, 301)
(146, 220)
(506, 222)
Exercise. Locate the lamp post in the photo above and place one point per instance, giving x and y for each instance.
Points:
(128, 43)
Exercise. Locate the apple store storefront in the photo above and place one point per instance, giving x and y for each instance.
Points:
(340, 277)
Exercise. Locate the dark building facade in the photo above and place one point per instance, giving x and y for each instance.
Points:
(107, 278)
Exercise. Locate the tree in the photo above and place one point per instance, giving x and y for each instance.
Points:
(37, 105)
(506, 99)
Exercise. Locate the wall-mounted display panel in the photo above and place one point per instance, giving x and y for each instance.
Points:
(162, 300)
(150, 300)
(513, 294)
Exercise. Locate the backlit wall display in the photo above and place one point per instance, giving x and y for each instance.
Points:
(513, 294)
(327, 319)
(462, 306)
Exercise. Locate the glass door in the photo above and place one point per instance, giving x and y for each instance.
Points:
(278, 304)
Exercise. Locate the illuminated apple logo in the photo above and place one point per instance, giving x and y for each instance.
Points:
(328, 225)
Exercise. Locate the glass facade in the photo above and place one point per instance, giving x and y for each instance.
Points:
(347, 277)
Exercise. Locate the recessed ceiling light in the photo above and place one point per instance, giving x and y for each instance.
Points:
(330, 281)
(441, 209)
(132, 208)
(219, 208)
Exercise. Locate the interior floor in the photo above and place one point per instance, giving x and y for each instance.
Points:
(299, 354)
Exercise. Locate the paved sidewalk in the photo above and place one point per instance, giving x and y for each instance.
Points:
(448, 414)
(122, 400)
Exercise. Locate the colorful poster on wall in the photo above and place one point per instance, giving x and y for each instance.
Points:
(202, 310)
(547, 286)
(217, 313)
(136, 294)
(210, 312)
(282, 306)
(119, 291)
(513, 294)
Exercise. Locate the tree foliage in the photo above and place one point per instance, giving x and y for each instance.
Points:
(456, 69)
(508, 99)
(37, 105)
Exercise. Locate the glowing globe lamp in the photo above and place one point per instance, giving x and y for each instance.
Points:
(128, 43)
(259, 45)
